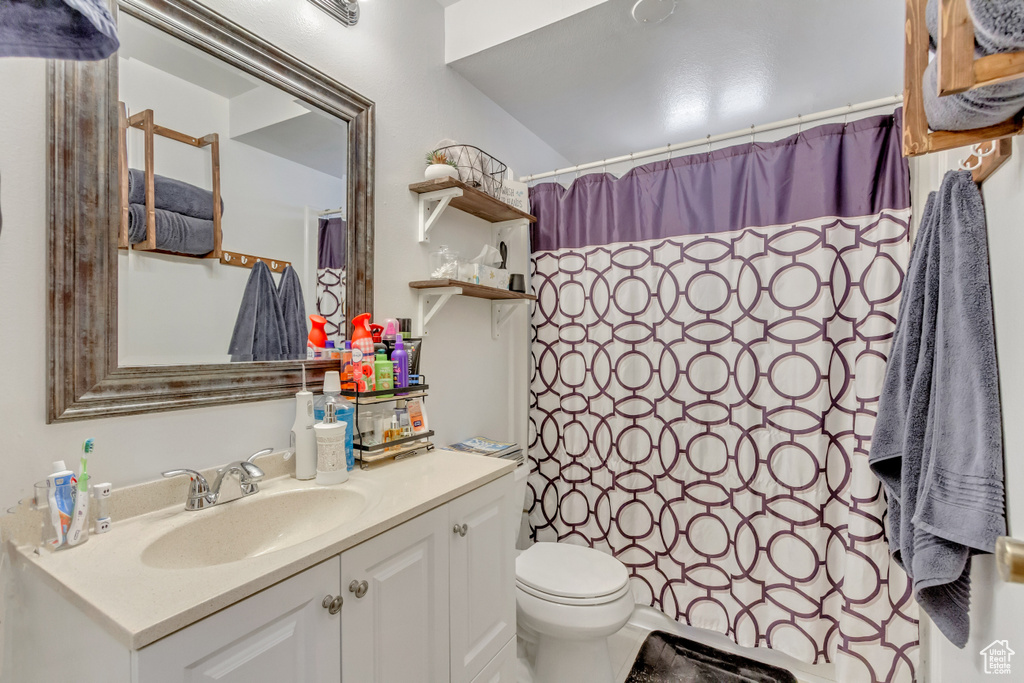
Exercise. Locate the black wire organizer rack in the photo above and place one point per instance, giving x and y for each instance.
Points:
(370, 453)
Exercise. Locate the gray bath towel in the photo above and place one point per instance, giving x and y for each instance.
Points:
(259, 329)
(937, 445)
(977, 108)
(998, 24)
(57, 29)
(172, 195)
(293, 309)
(174, 232)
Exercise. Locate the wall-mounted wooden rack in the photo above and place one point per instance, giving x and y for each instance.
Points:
(437, 195)
(434, 294)
(234, 258)
(144, 121)
(958, 71)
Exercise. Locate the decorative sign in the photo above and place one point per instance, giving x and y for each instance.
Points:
(516, 195)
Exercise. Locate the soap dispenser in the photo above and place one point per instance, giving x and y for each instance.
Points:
(303, 440)
(331, 462)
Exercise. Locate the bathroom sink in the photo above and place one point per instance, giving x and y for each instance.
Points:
(246, 528)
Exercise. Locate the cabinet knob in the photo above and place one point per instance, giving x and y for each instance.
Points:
(460, 530)
(333, 604)
(359, 588)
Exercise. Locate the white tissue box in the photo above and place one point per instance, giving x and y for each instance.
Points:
(479, 274)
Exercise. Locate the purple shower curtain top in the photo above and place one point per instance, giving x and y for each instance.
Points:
(749, 185)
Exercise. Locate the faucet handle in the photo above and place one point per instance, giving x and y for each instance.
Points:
(258, 454)
(198, 490)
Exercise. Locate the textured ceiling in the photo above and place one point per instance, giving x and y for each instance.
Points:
(597, 85)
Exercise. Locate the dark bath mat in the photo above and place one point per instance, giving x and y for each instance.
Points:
(665, 658)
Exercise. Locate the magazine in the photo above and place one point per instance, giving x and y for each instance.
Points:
(483, 446)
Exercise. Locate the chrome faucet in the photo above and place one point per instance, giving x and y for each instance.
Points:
(200, 495)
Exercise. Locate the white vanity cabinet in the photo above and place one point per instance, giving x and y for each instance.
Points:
(395, 617)
(430, 600)
(439, 600)
(280, 634)
(482, 578)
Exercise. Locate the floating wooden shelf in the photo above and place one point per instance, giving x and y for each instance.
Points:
(434, 294)
(437, 195)
(473, 201)
(470, 289)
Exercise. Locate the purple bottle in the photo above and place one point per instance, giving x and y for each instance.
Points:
(400, 359)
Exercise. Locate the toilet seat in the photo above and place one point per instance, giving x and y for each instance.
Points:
(571, 574)
(563, 600)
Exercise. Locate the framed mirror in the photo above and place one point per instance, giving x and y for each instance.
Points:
(194, 153)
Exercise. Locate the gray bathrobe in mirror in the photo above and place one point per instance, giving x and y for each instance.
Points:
(259, 333)
(937, 444)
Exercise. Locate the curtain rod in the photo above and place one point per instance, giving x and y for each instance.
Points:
(753, 130)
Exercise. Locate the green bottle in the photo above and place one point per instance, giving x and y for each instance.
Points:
(385, 372)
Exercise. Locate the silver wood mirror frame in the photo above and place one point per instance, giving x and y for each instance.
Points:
(84, 378)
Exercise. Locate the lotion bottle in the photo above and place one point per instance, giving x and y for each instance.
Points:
(400, 360)
(303, 436)
(331, 465)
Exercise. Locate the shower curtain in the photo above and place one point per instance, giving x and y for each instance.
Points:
(709, 343)
(331, 285)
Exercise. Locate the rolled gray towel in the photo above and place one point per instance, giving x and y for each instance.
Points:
(998, 24)
(931, 20)
(977, 108)
(174, 232)
(172, 195)
(57, 29)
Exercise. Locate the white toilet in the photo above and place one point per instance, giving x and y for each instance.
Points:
(569, 599)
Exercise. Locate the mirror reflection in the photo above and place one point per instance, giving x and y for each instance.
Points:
(233, 202)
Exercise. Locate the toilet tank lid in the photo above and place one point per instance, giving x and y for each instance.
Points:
(570, 571)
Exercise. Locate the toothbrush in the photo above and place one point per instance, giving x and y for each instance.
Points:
(80, 520)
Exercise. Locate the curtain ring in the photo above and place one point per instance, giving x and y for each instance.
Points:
(709, 144)
(799, 124)
(752, 134)
(668, 148)
(846, 116)
(244, 260)
(604, 166)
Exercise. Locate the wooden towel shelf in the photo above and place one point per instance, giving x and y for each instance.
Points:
(958, 71)
(144, 121)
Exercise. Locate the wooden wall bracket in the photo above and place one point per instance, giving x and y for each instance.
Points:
(955, 59)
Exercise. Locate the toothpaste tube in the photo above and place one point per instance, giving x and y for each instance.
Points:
(61, 497)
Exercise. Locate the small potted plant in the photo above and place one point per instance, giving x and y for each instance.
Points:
(440, 166)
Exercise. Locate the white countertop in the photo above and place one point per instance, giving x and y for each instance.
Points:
(139, 604)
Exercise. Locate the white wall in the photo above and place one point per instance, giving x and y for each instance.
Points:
(996, 607)
(395, 56)
(475, 25)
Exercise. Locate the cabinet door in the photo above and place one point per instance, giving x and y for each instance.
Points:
(501, 669)
(483, 600)
(397, 632)
(280, 634)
